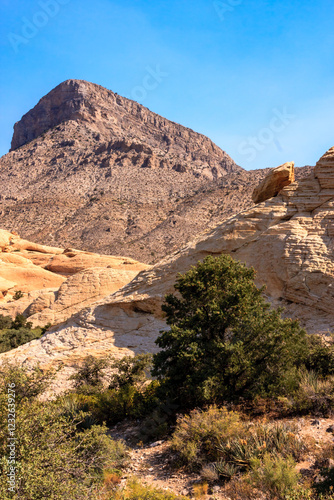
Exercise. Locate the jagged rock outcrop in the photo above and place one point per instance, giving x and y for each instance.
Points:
(289, 240)
(56, 283)
(274, 182)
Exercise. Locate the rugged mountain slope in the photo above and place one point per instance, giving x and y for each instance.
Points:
(289, 240)
(56, 283)
(92, 170)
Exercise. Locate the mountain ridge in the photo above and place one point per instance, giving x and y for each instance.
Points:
(101, 180)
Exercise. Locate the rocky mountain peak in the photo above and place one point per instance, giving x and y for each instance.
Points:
(112, 117)
(90, 169)
(64, 102)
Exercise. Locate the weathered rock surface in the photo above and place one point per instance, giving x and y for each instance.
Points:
(17, 271)
(289, 240)
(56, 285)
(274, 182)
(105, 174)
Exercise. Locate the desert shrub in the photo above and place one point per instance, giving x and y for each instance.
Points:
(18, 295)
(275, 475)
(301, 494)
(54, 458)
(209, 473)
(112, 405)
(20, 322)
(197, 436)
(14, 333)
(130, 371)
(223, 443)
(28, 384)
(314, 394)
(5, 322)
(90, 376)
(159, 421)
(114, 390)
(97, 373)
(323, 487)
(12, 338)
(136, 490)
(238, 453)
(239, 488)
(224, 341)
(319, 355)
(79, 407)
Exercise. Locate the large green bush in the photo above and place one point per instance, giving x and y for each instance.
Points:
(56, 458)
(114, 390)
(224, 341)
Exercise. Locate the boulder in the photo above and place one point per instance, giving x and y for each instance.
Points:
(274, 182)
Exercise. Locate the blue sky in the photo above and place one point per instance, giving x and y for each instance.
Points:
(254, 76)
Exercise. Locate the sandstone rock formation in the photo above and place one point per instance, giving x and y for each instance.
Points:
(18, 271)
(289, 240)
(274, 182)
(56, 283)
(105, 174)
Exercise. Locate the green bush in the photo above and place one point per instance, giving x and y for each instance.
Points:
(18, 295)
(130, 371)
(29, 385)
(260, 439)
(112, 405)
(315, 394)
(228, 444)
(14, 333)
(224, 342)
(114, 390)
(197, 436)
(90, 376)
(55, 459)
(5, 322)
(275, 475)
(319, 355)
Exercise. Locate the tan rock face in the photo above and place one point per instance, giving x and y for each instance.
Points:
(274, 182)
(289, 240)
(56, 285)
(17, 271)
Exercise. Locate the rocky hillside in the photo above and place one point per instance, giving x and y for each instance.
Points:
(289, 239)
(92, 170)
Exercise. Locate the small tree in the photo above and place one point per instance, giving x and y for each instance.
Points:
(90, 375)
(130, 371)
(224, 342)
